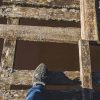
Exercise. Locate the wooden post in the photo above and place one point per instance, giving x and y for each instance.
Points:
(7, 58)
(85, 70)
(89, 29)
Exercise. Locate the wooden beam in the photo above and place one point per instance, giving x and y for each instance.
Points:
(67, 77)
(85, 70)
(51, 3)
(13, 94)
(61, 78)
(7, 63)
(40, 13)
(38, 33)
(89, 29)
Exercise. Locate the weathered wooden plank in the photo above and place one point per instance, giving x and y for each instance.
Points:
(8, 49)
(37, 33)
(51, 3)
(7, 62)
(66, 77)
(89, 29)
(40, 13)
(85, 70)
(49, 94)
(13, 94)
(7, 53)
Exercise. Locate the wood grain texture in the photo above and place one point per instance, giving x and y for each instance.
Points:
(85, 70)
(43, 34)
(7, 59)
(67, 77)
(51, 3)
(54, 78)
(40, 13)
(89, 29)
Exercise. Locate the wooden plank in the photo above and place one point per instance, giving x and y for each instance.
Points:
(49, 94)
(85, 70)
(67, 77)
(61, 78)
(38, 33)
(89, 29)
(7, 63)
(40, 13)
(51, 3)
(7, 53)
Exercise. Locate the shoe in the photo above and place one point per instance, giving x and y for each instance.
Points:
(40, 75)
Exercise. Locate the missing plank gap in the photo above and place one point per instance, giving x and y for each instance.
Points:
(1, 2)
(50, 23)
(48, 87)
(95, 56)
(3, 21)
(58, 56)
(46, 4)
(1, 47)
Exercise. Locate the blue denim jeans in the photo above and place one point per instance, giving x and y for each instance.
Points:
(36, 93)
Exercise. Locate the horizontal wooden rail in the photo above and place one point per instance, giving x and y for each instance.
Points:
(52, 3)
(54, 77)
(36, 33)
(40, 13)
(66, 77)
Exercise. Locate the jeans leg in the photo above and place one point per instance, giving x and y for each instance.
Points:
(36, 93)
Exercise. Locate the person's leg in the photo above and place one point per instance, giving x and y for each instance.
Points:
(39, 80)
(36, 93)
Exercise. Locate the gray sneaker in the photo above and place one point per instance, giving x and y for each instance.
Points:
(40, 75)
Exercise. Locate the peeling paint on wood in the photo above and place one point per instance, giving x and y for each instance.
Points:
(38, 33)
(89, 29)
(40, 13)
(13, 94)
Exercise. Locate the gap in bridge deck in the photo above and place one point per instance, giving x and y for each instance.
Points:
(58, 56)
(1, 2)
(1, 46)
(98, 16)
(95, 57)
(3, 21)
(50, 23)
(95, 64)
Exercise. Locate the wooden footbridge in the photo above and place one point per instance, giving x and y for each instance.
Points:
(81, 18)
